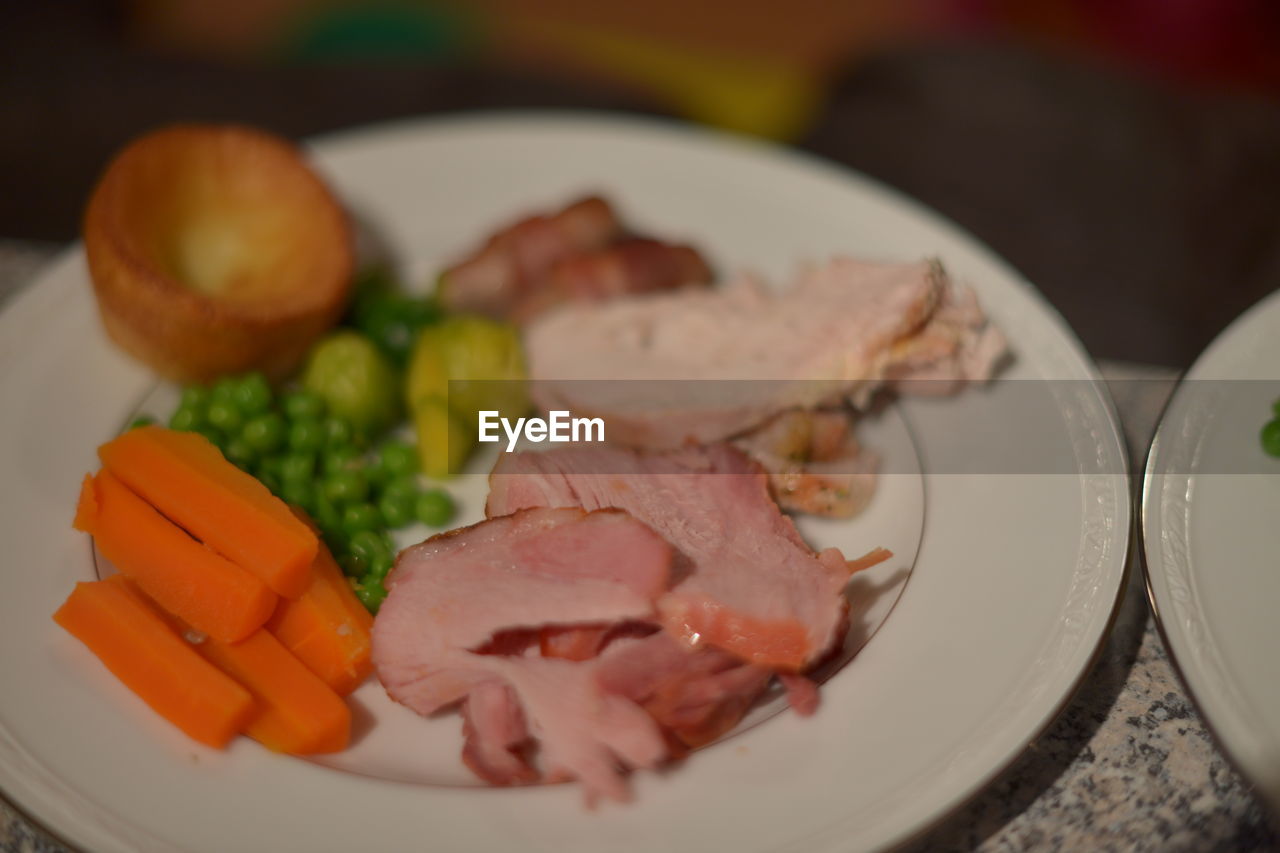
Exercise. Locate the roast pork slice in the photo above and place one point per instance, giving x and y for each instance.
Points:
(448, 598)
(745, 580)
(840, 331)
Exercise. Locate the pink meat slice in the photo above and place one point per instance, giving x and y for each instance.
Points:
(695, 694)
(515, 260)
(745, 580)
(496, 734)
(449, 596)
(838, 332)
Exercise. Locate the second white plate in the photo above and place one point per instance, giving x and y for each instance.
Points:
(1211, 499)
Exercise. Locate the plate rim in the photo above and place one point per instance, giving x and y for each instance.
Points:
(596, 120)
(1147, 514)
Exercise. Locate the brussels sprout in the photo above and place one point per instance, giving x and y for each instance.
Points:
(355, 380)
(444, 440)
(473, 362)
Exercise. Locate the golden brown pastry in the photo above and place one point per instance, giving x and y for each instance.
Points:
(216, 249)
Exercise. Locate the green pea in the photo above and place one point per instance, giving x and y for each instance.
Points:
(298, 492)
(362, 516)
(397, 458)
(404, 487)
(352, 565)
(214, 437)
(337, 432)
(367, 544)
(434, 508)
(374, 472)
(252, 394)
(397, 510)
(346, 487)
(194, 397)
(1271, 438)
(237, 450)
(306, 435)
(380, 566)
(303, 404)
(297, 467)
(264, 433)
(223, 391)
(371, 596)
(269, 479)
(272, 463)
(186, 419)
(342, 458)
(325, 513)
(224, 416)
(141, 421)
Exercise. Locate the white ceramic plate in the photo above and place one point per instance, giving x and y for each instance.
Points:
(1012, 591)
(1211, 498)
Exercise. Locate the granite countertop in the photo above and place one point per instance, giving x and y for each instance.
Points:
(1128, 765)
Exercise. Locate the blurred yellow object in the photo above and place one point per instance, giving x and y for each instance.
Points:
(443, 441)
(761, 96)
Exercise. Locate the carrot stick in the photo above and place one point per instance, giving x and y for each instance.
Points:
(326, 627)
(140, 648)
(296, 711)
(571, 642)
(86, 506)
(207, 591)
(185, 477)
(874, 557)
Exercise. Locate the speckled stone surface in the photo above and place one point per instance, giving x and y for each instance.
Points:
(1128, 765)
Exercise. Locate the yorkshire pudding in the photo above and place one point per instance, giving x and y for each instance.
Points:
(215, 249)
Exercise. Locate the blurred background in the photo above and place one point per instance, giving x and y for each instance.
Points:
(1124, 155)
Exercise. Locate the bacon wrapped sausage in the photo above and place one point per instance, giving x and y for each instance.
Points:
(516, 260)
(580, 253)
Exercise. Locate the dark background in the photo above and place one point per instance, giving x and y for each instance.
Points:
(1146, 207)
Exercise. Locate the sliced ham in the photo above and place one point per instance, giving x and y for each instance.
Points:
(495, 736)
(449, 597)
(745, 581)
(695, 694)
(839, 332)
